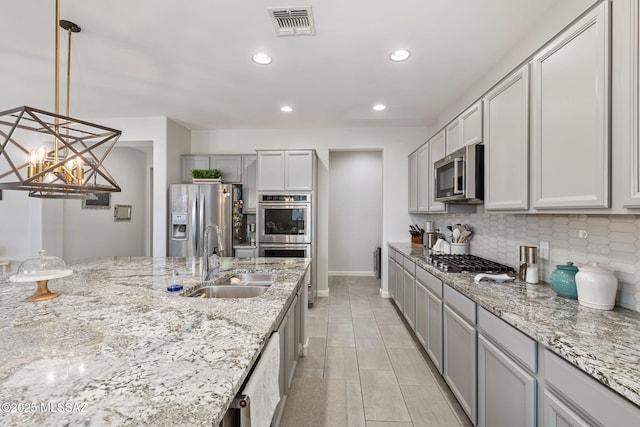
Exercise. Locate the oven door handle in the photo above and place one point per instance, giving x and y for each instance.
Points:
(458, 170)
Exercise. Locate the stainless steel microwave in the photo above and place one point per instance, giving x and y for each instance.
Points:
(459, 176)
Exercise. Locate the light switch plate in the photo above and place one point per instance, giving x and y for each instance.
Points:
(544, 250)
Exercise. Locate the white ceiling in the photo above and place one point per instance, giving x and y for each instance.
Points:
(191, 60)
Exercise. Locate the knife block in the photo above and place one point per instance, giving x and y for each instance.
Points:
(416, 240)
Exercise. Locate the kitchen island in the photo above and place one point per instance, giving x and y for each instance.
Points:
(117, 349)
(605, 345)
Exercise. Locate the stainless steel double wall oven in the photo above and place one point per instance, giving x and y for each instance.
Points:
(285, 227)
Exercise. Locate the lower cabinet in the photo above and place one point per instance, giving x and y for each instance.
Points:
(460, 360)
(557, 414)
(409, 298)
(399, 296)
(506, 392)
(434, 328)
(391, 273)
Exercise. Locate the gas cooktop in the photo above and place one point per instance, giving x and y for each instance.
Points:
(466, 264)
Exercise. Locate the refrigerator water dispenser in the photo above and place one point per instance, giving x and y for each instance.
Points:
(179, 226)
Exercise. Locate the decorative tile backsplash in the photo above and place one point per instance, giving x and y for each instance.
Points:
(613, 241)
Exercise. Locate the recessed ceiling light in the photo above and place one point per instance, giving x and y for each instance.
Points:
(400, 55)
(261, 58)
(379, 107)
(286, 109)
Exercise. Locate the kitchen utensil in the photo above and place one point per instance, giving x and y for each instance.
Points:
(495, 277)
(529, 256)
(563, 280)
(455, 235)
(464, 236)
(596, 287)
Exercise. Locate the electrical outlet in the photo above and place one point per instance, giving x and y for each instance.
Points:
(544, 250)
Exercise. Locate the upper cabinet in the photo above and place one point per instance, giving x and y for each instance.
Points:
(414, 183)
(437, 150)
(570, 116)
(424, 168)
(453, 136)
(286, 170)
(506, 143)
(249, 196)
(471, 125)
(189, 162)
(229, 165)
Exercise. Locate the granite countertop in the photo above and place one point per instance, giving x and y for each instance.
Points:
(603, 344)
(117, 349)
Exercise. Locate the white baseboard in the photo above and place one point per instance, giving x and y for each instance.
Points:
(384, 294)
(322, 293)
(352, 273)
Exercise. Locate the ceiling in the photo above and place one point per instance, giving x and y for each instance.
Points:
(191, 61)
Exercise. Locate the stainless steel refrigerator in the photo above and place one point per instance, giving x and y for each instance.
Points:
(194, 206)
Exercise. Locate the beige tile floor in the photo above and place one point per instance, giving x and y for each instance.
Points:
(364, 368)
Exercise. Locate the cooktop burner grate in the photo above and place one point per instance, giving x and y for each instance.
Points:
(467, 264)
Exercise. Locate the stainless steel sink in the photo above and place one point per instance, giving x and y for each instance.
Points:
(244, 285)
(229, 291)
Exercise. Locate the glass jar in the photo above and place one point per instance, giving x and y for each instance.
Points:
(563, 280)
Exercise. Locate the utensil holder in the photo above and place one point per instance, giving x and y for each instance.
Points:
(459, 248)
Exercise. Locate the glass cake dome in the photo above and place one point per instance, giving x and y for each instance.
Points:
(42, 268)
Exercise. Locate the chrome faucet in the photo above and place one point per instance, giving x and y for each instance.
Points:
(205, 249)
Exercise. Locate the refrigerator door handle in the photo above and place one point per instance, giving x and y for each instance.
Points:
(201, 223)
(194, 226)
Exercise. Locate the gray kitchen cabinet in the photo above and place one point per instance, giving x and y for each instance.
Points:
(422, 313)
(189, 162)
(242, 252)
(459, 342)
(249, 194)
(506, 143)
(399, 296)
(471, 125)
(437, 150)
(434, 330)
(573, 398)
(506, 392)
(429, 315)
(453, 136)
(570, 116)
(409, 289)
(229, 164)
(391, 273)
(288, 170)
(627, 64)
(413, 182)
(289, 336)
(558, 414)
(424, 168)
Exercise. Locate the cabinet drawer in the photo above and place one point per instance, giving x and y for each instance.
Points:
(461, 304)
(510, 339)
(430, 281)
(409, 266)
(593, 398)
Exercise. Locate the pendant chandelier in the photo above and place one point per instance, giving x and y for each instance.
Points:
(62, 162)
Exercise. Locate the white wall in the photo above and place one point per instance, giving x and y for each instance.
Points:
(395, 143)
(93, 232)
(557, 18)
(355, 211)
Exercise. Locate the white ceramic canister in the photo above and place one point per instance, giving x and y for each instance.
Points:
(596, 286)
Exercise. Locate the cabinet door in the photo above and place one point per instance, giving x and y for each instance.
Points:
(434, 331)
(506, 392)
(454, 136)
(437, 150)
(298, 170)
(460, 360)
(409, 299)
(557, 414)
(630, 102)
(413, 182)
(250, 197)
(506, 143)
(270, 170)
(570, 120)
(291, 354)
(471, 125)
(229, 165)
(189, 162)
(399, 298)
(423, 178)
(422, 314)
(391, 277)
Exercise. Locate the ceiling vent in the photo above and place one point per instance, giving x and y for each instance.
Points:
(293, 21)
